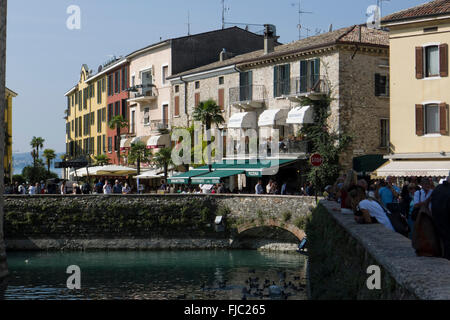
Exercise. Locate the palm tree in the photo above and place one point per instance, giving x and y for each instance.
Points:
(49, 155)
(139, 153)
(208, 112)
(163, 159)
(118, 122)
(101, 160)
(36, 143)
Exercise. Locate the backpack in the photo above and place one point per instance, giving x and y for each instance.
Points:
(397, 219)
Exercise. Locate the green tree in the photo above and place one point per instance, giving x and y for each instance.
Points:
(327, 143)
(36, 143)
(118, 123)
(208, 113)
(163, 159)
(139, 154)
(49, 155)
(101, 160)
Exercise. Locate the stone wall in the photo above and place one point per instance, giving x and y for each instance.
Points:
(340, 251)
(147, 221)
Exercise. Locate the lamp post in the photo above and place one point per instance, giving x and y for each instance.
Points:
(3, 264)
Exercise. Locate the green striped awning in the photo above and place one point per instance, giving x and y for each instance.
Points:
(215, 176)
(184, 177)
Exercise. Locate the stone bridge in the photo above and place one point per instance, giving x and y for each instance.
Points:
(170, 221)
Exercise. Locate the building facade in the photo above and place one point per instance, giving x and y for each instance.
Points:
(8, 158)
(265, 89)
(420, 141)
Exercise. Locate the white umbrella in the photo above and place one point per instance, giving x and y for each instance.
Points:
(114, 170)
(150, 174)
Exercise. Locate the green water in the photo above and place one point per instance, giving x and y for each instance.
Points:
(156, 275)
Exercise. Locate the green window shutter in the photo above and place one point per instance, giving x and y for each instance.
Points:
(377, 84)
(303, 76)
(250, 85)
(287, 80)
(275, 81)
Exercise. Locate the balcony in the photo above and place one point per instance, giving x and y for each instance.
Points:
(248, 97)
(311, 86)
(156, 125)
(143, 93)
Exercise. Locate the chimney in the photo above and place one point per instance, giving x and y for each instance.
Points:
(270, 37)
(224, 55)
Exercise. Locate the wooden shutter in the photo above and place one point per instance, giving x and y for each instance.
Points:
(197, 99)
(420, 128)
(221, 99)
(275, 81)
(419, 63)
(443, 60)
(443, 118)
(177, 106)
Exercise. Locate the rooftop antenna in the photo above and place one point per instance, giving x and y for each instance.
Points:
(224, 9)
(300, 12)
(189, 24)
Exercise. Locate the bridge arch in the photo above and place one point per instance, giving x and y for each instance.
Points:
(291, 228)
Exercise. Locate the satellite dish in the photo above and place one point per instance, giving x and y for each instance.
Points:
(100, 68)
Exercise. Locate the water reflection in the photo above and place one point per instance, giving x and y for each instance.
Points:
(156, 275)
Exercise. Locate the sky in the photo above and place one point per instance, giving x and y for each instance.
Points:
(44, 57)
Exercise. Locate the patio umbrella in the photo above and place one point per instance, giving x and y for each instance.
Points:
(114, 170)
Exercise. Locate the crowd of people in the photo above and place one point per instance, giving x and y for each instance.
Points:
(370, 202)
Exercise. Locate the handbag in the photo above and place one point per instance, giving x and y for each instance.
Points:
(425, 240)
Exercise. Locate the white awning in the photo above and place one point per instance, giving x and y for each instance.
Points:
(273, 117)
(301, 115)
(161, 141)
(243, 120)
(150, 174)
(414, 169)
(125, 143)
(142, 139)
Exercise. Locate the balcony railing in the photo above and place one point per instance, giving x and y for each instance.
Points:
(311, 85)
(248, 96)
(143, 93)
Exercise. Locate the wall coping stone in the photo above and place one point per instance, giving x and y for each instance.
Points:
(428, 278)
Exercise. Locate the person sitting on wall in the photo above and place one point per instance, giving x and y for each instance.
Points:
(367, 210)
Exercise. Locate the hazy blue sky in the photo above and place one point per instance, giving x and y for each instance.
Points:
(44, 57)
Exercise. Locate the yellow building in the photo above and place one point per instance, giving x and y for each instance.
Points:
(8, 135)
(86, 116)
(419, 91)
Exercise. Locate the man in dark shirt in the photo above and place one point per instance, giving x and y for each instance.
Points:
(117, 188)
(440, 208)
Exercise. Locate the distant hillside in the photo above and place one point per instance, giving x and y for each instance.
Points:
(21, 160)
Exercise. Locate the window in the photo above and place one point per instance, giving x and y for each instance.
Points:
(92, 116)
(117, 108)
(133, 120)
(281, 80)
(76, 97)
(431, 119)
(99, 95)
(110, 146)
(384, 138)
(197, 84)
(309, 75)
(165, 74)
(177, 88)
(381, 85)
(80, 128)
(117, 82)
(197, 98)
(110, 85)
(85, 98)
(110, 111)
(432, 61)
(124, 109)
(124, 78)
(133, 81)
(99, 145)
(103, 85)
(72, 126)
(176, 112)
(99, 120)
(221, 80)
(103, 114)
(146, 116)
(104, 143)
(165, 119)
(245, 86)
(68, 102)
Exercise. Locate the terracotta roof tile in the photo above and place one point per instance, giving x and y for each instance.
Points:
(432, 8)
(343, 35)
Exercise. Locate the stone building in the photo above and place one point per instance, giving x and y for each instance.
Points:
(265, 88)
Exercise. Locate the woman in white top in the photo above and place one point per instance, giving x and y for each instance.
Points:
(126, 189)
(368, 209)
(107, 188)
(421, 196)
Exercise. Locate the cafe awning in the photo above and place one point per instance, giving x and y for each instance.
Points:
(242, 120)
(150, 174)
(115, 170)
(215, 176)
(301, 115)
(425, 168)
(125, 143)
(160, 141)
(367, 164)
(184, 177)
(273, 117)
(143, 139)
